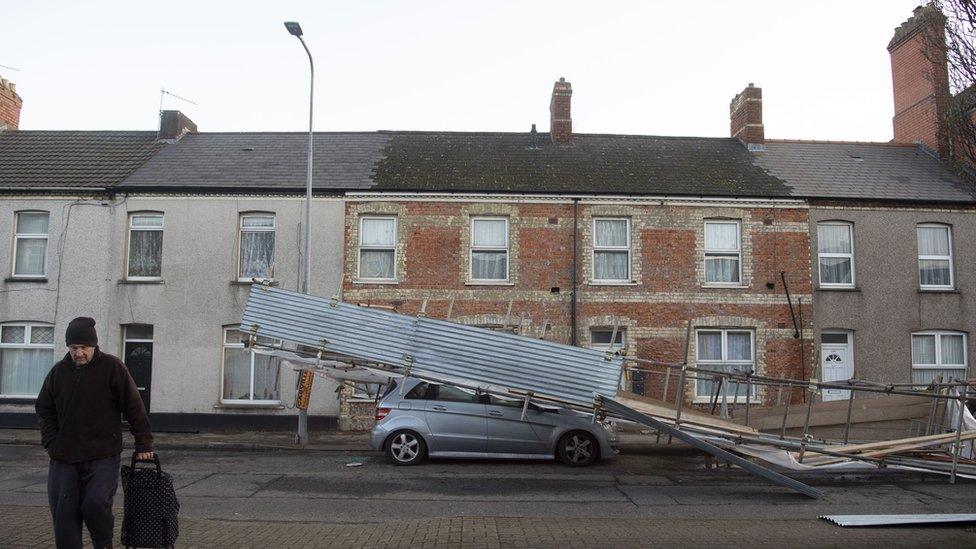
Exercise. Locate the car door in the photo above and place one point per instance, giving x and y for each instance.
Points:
(508, 433)
(456, 418)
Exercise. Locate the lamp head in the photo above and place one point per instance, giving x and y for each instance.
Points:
(293, 28)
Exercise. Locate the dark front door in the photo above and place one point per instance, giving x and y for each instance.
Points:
(137, 354)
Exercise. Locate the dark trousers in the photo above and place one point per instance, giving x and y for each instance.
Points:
(80, 492)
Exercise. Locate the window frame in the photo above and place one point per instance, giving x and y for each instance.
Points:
(373, 247)
(128, 241)
(627, 249)
(472, 248)
(706, 253)
(29, 236)
(240, 242)
(952, 275)
(724, 361)
(938, 364)
(821, 255)
(621, 335)
(28, 327)
(223, 363)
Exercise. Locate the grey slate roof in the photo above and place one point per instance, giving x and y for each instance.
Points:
(874, 171)
(71, 158)
(263, 161)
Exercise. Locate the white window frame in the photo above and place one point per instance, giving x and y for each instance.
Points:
(240, 241)
(621, 334)
(474, 248)
(629, 278)
(723, 361)
(821, 255)
(223, 361)
(722, 253)
(29, 236)
(939, 365)
(952, 276)
(160, 228)
(28, 326)
(393, 248)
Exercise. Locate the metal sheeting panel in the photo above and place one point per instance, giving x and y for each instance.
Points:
(891, 520)
(439, 349)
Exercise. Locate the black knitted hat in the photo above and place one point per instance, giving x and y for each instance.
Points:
(81, 331)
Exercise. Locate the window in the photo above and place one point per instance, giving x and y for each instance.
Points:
(419, 392)
(600, 339)
(835, 248)
(934, 257)
(377, 248)
(145, 246)
(726, 351)
(450, 393)
(937, 354)
(722, 252)
(248, 377)
(489, 249)
(257, 246)
(30, 244)
(611, 250)
(26, 356)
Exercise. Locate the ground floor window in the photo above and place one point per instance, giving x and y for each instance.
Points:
(937, 354)
(724, 351)
(247, 376)
(601, 338)
(26, 356)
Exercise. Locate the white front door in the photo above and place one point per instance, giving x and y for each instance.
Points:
(836, 363)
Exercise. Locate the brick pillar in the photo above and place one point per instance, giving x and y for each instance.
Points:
(560, 121)
(10, 105)
(745, 116)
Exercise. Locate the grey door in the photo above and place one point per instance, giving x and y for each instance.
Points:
(456, 418)
(508, 433)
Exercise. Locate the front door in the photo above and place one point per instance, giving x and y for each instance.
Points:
(137, 354)
(836, 363)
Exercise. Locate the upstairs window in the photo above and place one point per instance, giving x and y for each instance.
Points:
(145, 260)
(30, 244)
(611, 250)
(26, 356)
(835, 249)
(257, 246)
(489, 249)
(937, 354)
(935, 257)
(377, 248)
(723, 252)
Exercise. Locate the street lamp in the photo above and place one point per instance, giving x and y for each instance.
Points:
(306, 375)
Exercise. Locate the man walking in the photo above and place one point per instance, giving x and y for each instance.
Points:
(79, 410)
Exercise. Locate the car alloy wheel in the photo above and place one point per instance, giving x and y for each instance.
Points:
(406, 448)
(578, 449)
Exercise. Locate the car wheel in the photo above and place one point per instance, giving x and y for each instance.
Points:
(578, 449)
(406, 448)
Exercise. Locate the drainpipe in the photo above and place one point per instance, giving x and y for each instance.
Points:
(575, 239)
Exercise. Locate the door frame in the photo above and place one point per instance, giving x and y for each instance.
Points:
(849, 347)
(126, 340)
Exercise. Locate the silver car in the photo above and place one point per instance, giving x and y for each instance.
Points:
(437, 420)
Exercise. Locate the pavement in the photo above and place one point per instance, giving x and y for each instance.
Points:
(265, 496)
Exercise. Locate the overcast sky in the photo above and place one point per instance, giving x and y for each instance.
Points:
(652, 67)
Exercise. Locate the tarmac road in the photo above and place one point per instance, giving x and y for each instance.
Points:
(671, 497)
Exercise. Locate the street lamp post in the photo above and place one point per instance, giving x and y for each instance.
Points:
(296, 30)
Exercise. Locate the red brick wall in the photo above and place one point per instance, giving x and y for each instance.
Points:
(745, 114)
(10, 105)
(666, 263)
(921, 94)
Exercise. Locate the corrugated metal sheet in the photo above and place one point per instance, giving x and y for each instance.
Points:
(438, 349)
(890, 520)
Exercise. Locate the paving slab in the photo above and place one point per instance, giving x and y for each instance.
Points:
(227, 485)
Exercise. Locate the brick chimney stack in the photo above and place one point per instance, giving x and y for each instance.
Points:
(10, 105)
(560, 121)
(920, 80)
(745, 114)
(173, 125)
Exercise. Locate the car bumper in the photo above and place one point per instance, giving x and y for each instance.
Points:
(377, 435)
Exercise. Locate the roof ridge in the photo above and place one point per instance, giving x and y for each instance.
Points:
(841, 142)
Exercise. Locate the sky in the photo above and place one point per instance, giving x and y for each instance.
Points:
(650, 67)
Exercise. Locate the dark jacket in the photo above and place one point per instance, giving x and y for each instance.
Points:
(79, 409)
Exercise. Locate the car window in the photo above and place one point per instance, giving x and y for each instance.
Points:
(456, 394)
(499, 401)
(419, 392)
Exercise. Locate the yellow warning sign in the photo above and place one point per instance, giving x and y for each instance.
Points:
(304, 389)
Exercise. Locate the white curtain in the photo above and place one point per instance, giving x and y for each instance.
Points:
(934, 272)
(933, 241)
(30, 256)
(257, 253)
(611, 232)
(952, 349)
(923, 349)
(237, 374)
(928, 375)
(376, 264)
(145, 253)
(721, 269)
(489, 233)
(739, 346)
(722, 236)
(32, 223)
(610, 265)
(265, 377)
(834, 239)
(709, 345)
(22, 371)
(489, 265)
(378, 232)
(835, 270)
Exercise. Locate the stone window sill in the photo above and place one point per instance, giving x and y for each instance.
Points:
(724, 286)
(17, 400)
(377, 282)
(839, 289)
(489, 283)
(244, 405)
(939, 291)
(270, 282)
(129, 281)
(610, 283)
(40, 280)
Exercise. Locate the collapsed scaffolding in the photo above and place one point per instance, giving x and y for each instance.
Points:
(374, 346)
